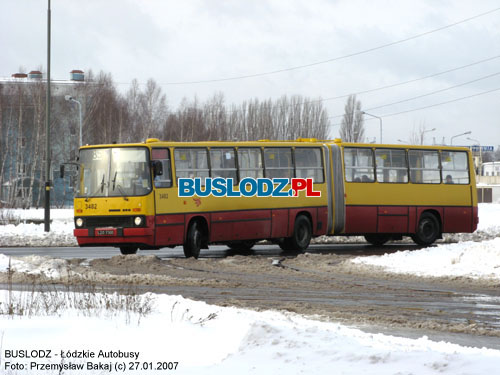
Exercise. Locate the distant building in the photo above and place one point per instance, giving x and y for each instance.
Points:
(22, 138)
(491, 169)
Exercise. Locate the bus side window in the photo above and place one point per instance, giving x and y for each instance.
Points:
(358, 164)
(424, 166)
(223, 163)
(163, 155)
(191, 163)
(278, 162)
(391, 165)
(250, 162)
(309, 163)
(455, 167)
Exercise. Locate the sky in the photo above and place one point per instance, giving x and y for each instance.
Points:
(266, 49)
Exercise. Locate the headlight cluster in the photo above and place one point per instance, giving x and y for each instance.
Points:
(138, 221)
(79, 222)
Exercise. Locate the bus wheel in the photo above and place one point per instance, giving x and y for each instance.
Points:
(377, 239)
(192, 245)
(428, 230)
(128, 250)
(241, 245)
(301, 237)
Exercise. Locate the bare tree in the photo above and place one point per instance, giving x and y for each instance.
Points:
(153, 109)
(37, 93)
(417, 135)
(215, 117)
(352, 128)
(147, 111)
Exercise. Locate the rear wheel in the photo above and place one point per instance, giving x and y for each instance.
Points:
(128, 250)
(301, 236)
(377, 239)
(428, 230)
(193, 242)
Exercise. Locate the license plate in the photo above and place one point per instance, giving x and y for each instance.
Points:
(105, 232)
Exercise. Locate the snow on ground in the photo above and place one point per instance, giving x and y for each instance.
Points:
(206, 339)
(27, 233)
(489, 217)
(466, 259)
(35, 264)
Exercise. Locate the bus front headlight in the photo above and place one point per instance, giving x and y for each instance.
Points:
(138, 220)
(79, 222)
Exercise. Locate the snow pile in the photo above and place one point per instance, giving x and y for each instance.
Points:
(185, 331)
(489, 217)
(26, 233)
(467, 259)
(35, 265)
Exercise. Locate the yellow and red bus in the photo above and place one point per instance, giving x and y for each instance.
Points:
(128, 194)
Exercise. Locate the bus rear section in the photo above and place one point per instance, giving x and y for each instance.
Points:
(420, 192)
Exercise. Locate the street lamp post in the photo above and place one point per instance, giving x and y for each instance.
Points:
(458, 135)
(423, 134)
(69, 98)
(46, 218)
(379, 118)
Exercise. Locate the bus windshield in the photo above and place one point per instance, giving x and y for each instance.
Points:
(111, 172)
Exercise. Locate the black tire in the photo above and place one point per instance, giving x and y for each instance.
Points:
(128, 250)
(377, 239)
(193, 242)
(428, 230)
(241, 245)
(301, 236)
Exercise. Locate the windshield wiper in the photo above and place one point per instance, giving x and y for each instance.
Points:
(114, 180)
(100, 187)
(119, 187)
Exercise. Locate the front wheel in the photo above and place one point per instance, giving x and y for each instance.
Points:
(192, 244)
(301, 236)
(128, 250)
(428, 230)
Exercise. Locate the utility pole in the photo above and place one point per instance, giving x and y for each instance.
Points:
(47, 131)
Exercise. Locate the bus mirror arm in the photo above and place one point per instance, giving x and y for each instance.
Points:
(61, 167)
(157, 168)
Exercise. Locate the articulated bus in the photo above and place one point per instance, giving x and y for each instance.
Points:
(132, 196)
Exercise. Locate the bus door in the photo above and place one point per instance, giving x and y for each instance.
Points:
(169, 224)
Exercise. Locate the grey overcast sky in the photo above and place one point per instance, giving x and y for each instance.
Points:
(176, 41)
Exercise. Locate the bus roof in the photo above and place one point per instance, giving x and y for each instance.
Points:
(298, 142)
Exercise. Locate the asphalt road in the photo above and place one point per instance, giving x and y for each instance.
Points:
(212, 252)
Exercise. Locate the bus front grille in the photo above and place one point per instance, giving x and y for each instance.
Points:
(108, 221)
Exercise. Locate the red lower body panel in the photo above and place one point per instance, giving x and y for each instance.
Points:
(404, 219)
(171, 229)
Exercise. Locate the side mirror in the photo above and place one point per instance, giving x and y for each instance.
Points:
(61, 171)
(157, 168)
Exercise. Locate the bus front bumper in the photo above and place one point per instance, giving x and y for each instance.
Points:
(114, 236)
